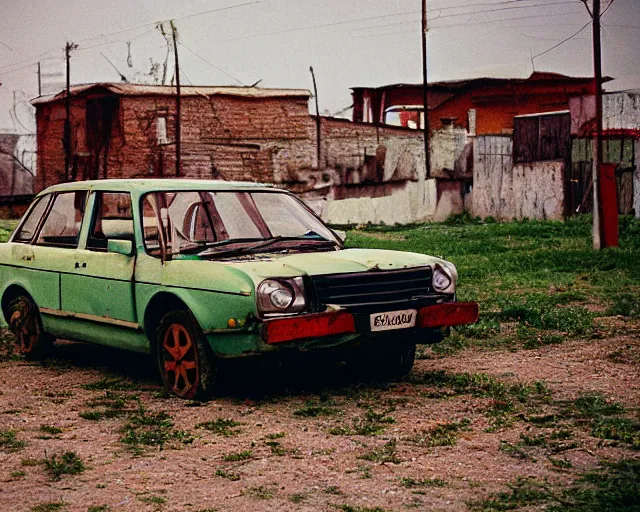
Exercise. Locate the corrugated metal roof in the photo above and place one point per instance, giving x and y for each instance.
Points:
(124, 89)
(459, 84)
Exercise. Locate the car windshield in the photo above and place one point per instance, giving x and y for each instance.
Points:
(210, 223)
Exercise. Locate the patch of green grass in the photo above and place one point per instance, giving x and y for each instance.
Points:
(261, 492)
(69, 463)
(443, 434)
(593, 405)
(238, 456)
(485, 328)
(371, 423)
(313, 410)
(560, 463)
(351, 508)
(225, 474)
(275, 435)
(412, 483)
(51, 430)
(613, 487)
(625, 304)
(515, 451)
(145, 429)
(113, 384)
(535, 440)
(384, 454)
(9, 441)
(153, 500)
(276, 448)
(298, 497)
(99, 508)
(222, 426)
(49, 507)
(618, 429)
(18, 474)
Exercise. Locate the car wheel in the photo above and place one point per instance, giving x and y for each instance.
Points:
(184, 359)
(25, 323)
(385, 361)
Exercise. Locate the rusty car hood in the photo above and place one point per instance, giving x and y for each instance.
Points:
(330, 262)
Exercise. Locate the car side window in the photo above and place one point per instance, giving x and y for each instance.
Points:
(61, 228)
(112, 220)
(30, 224)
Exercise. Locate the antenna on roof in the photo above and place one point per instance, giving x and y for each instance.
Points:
(122, 77)
(255, 83)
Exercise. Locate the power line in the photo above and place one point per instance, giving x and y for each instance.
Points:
(484, 22)
(563, 41)
(211, 64)
(201, 13)
(34, 60)
(608, 7)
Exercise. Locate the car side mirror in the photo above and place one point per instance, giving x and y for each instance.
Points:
(342, 235)
(124, 247)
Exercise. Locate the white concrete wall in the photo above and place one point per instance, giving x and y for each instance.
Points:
(416, 202)
(505, 192)
(620, 111)
(449, 150)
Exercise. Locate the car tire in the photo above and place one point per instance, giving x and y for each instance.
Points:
(388, 361)
(25, 323)
(185, 361)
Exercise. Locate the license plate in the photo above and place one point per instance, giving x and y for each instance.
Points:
(393, 320)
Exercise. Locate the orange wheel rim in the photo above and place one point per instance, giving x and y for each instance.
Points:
(24, 327)
(180, 360)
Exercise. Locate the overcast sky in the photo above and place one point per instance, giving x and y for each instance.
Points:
(348, 42)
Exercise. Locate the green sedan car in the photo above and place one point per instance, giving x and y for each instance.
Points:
(196, 272)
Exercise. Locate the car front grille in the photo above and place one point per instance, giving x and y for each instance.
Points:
(373, 288)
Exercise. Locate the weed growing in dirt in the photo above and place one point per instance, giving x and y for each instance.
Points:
(613, 487)
(153, 500)
(9, 441)
(298, 497)
(625, 304)
(145, 429)
(515, 451)
(386, 453)
(49, 507)
(237, 457)
(51, 430)
(560, 463)
(625, 430)
(262, 492)
(313, 410)
(350, 508)
(594, 405)
(412, 483)
(225, 474)
(371, 423)
(113, 384)
(99, 508)
(443, 434)
(221, 426)
(69, 463)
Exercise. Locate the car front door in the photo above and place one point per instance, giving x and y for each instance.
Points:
(98, 285)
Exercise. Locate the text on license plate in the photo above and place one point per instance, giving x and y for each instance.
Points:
(393, 320)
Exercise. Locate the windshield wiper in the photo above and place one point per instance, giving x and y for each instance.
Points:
(268, 242)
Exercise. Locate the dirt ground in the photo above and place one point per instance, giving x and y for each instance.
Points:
(296, 445)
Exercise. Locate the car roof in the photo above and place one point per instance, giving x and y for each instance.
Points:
(142, 186)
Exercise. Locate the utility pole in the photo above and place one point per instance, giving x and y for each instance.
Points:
(174, 33)
(66, 140)
(39, 81)
(318, 120)
(425, 87)
(598, 217)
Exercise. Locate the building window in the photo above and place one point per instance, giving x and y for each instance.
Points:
(161, 130)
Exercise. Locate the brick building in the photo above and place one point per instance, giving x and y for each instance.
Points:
(482, 106)
(126, 130)
(233, 133)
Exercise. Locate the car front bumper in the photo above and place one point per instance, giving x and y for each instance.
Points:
(341, 322)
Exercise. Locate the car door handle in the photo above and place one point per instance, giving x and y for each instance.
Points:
(81, 264)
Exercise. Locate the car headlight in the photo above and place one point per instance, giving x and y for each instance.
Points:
(443, 280)
(281, 296)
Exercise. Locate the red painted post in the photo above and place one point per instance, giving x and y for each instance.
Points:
(609, 195)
